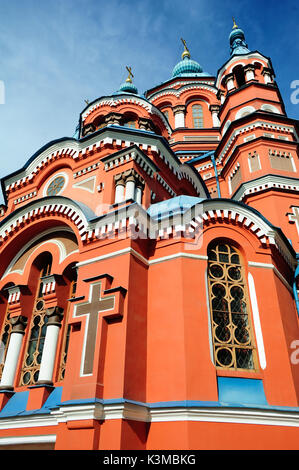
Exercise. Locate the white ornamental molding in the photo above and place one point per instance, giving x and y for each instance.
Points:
(59, 150)
(180, 91)
(229, 147)
(58, 207)
(121, 100)
(132, 154)
(264, 184)
(79, 150)
(135, 220)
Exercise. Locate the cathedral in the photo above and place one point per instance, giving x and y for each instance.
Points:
(149, 270)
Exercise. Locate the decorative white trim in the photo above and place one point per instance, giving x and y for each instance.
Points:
(131, 251)
(177, 93)
(33, 421)
(25, 198)
(79, 184)
(58, 204)
(271, 266)
(134, 155)
(62, 251)
(144, 413)
(114, 101)
(265, 183)
(257, 322)
(244, 111)
(21, 440)
(251, 127)
(87, 169)
(226, 415)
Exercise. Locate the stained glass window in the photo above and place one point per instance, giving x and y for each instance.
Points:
(233, 340)
(55, 186)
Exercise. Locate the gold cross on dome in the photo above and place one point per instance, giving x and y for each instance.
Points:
(235, 25)
(185, 45)
(130, 76)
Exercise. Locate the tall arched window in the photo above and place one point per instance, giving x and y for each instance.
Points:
(233, 340)
(197, 115)
(37, 329)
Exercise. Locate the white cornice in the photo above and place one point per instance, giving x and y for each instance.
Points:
(121, 100)
(150, 413)
(121, 138)
(23, 440)
(180, 91)
(254, 125)
(57, 205)
(264, 183)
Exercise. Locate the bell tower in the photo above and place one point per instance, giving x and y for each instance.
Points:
(258, 151)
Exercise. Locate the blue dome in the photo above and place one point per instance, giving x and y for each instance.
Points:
(186, 66)
(237, 42)
(128, 87)
(236, 33)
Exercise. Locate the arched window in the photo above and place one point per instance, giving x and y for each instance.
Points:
(233, 340)
(239, 75)
(37, 328)
(197, 115)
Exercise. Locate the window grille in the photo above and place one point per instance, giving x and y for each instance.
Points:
(197, 115)
(233, 342)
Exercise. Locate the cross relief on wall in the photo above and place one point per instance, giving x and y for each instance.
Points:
(99, 303)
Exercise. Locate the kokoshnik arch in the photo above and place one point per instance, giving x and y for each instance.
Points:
(148, 276)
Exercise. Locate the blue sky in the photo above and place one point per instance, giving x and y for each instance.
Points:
(55, 54)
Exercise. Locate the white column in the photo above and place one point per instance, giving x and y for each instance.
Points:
(214, 110)
(179, 120)
(267, 78)
(13, 352)
(138, 194)
(179, 115)
(130, 187)
(119, 192)
(249, 74)
(50, 346)
(49, 353)
(230, 84)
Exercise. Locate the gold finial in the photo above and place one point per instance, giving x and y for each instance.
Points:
(129, 79)
(86, 101)
(186, 52)
(235, 26)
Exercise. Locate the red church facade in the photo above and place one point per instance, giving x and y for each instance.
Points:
(148, 284)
